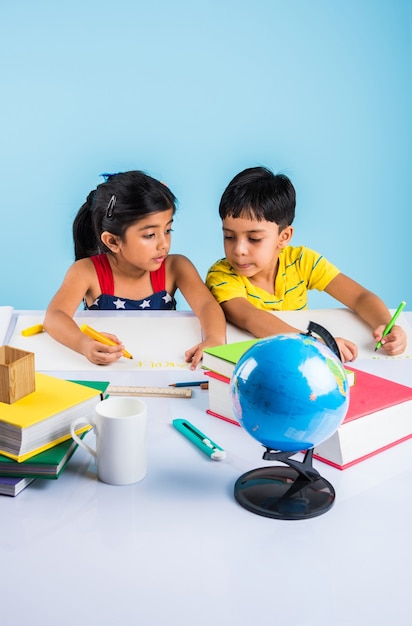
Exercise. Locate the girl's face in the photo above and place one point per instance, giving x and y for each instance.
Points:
(251, 246)
(146, 243)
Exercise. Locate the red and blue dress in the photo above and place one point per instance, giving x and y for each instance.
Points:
(160, 299)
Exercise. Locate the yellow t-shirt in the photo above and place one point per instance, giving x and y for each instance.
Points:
(300, 269)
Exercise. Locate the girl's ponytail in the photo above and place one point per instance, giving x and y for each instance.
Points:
(85, 243)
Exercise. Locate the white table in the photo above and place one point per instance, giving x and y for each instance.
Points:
(177, 549)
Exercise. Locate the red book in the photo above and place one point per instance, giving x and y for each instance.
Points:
(220, 403)
(379, 417)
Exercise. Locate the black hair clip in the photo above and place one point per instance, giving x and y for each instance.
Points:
(110, 207)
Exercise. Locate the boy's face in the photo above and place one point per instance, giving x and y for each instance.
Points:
(251, 246)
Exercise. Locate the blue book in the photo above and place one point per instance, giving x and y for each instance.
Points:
(11, 485)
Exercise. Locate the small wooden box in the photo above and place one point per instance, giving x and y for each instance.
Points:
(16, 374)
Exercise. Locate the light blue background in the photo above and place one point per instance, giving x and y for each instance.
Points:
(192, 93)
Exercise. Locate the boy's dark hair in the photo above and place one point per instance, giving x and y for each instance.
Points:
(114, 205)
(259, 194)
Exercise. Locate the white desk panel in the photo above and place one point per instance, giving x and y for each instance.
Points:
(176, 548)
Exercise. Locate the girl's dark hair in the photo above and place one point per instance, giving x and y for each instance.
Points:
(257, 193)
(114, 205)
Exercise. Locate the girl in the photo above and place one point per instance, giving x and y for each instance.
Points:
(122, 237)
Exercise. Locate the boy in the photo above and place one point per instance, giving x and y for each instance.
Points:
(262, 272)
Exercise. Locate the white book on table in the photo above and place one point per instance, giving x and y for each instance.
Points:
(6, 314)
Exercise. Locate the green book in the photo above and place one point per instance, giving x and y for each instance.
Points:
(222, 359)
(47, 464)
(100, 385)
(51, 462)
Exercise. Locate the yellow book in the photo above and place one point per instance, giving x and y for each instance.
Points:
(42, 419)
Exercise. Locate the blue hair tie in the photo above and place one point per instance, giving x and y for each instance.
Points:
(107, 176)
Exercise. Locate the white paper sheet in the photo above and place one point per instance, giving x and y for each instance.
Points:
(157, 342)
(340, 323)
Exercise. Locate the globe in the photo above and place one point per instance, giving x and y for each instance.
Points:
(290, 392)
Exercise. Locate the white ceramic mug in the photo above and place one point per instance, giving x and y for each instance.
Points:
(120, 426)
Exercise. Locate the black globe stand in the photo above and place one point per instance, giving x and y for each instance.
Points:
(294, 492)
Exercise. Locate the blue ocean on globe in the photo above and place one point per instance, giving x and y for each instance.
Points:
(290, 392)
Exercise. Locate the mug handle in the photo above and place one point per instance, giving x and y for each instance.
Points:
(81, 422)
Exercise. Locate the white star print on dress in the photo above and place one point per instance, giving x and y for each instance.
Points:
(119, 304)
(145, 304)
(159, 300)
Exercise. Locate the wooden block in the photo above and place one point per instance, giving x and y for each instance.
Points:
(16, 374)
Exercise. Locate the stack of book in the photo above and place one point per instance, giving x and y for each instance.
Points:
(35, 440)
(379, 414)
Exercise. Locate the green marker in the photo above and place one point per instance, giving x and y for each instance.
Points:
(391, 324)
(200, 440)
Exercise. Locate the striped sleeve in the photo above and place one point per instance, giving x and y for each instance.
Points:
(224, 283)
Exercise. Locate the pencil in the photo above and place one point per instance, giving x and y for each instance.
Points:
(391, 324)
(195, 383)
(94, 334)
(33, 330)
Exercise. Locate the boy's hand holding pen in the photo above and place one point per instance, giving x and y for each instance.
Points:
(398, 342)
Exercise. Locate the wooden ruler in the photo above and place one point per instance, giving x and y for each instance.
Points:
(161, 392)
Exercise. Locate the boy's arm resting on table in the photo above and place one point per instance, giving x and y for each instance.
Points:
(242, 313)
(371, 309)
(259, 323)
(59, 323)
